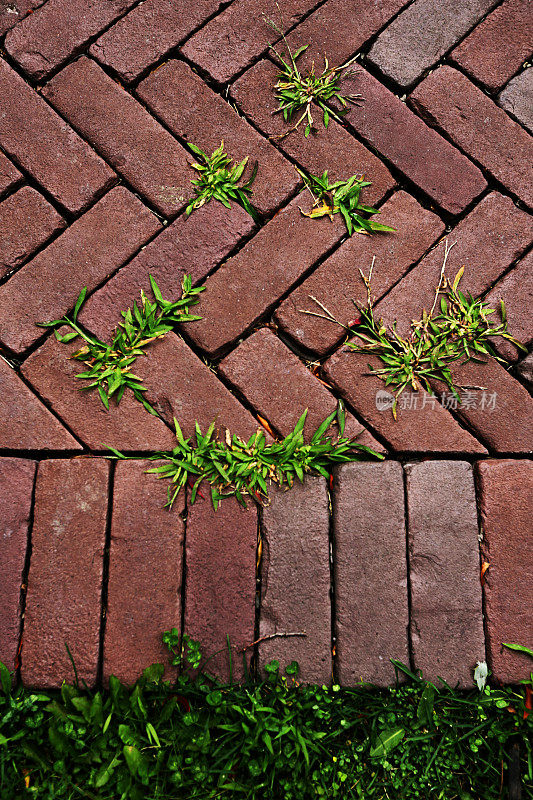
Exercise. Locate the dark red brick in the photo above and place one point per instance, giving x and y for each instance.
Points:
(145, 565)
(220, 582)
(446, 605)
(12, 13)
(10, 177)
(27, 222)
(183, 101)
(192, 245)
(337, 282)
(516, 290)
(279, 386)
(181, 385)
(247, 285)
(128, 427)
(499, 45)
(500, 413)
(500, 145)
(334, 148)
(63, 601)
(43, 144)
(422, 34)
(485, 242)
(517, 98)
(36, 43)
(25, 423)
(295, 588)
(426, 159)
(234, 38)
(147, 33)
(423, 426)
(84, 255)
(505, 491)
(16, 487)
(370, 571)
(525, 370)
(124, 133)
(338, 29)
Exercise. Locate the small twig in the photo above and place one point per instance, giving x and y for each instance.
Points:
(271, 636)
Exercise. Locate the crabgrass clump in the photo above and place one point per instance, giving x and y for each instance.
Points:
(342, 197)
(235, 468)
(297, 92)
(271, 737)
(461, 330)
(219, 180)
(109, 364)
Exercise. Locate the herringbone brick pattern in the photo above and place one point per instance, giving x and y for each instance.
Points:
(98, 102)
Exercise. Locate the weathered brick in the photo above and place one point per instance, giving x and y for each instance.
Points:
(517, 98)
(516, 290)
(145, 565)
(505, 491)
(337, 284)
(147, 33)
(525, 370)
(127, 427)
(500, 413)
(11, 14)
(36, 45)
(124, 133)
(233, 39)
(220, 581)
(295, 587)
(369, 563)
(192, 246)
(446, 605)
(422, 426)
(181, 385)
(84, 255)
(247, 285)
(485, 242)
(16, 487)
(27, 222)
(500, 145)
(426, 159)
(10, 177)
(422, 34)
(43, 144)
(499, 45)
(66, 571)
(279, 386)
(183, 101)
(334, 148)
(25, 423)
(338, 30)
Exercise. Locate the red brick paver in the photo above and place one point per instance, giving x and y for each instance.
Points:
(421, 34)
(493, 52)
(27, 222)
(506, 488)
(446, 612)
(65, 579)
(486, 143)
(295, 585)
(88, 252)
(516, 290)
(124, 133)
(16, 487)
(11, 14)
(44, 145)
(145, 568)
(10, 177)
(220, 582)
(369, 562)
(517, 98)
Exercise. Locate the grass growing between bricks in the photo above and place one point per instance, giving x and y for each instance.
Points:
(218, 180)
(267, 738)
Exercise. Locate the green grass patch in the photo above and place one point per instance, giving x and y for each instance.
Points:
(267, 739)
(219, 179)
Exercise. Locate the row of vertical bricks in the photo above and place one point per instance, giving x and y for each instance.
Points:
(421, 559)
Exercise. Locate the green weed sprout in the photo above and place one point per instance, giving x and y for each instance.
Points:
(219, 180)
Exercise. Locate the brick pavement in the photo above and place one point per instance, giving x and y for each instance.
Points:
(98, 102)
